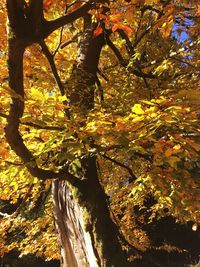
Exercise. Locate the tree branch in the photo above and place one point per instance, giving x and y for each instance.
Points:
(121, 165)
(116, 52)
(36, 12)
(123, 62)
(50, 59)
(172, 54)
(125, 37)
(16, 50)
(52, 64)
(57, 23)
(37, 126)
(139, 38)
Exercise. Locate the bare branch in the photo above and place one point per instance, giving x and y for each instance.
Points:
(184, 62)
(140, 37)
(59, 43)
(13, 163)
(43, 127)
(73, 40)
(50, 59)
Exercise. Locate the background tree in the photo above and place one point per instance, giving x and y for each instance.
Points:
(103, 114)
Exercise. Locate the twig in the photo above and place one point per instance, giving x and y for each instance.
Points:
(184, 62)
(116, 52)
(73, 40)
(121, 165)
(59, 43)
(139, 24)
(60, 85)
(50, 59)
(37, 126)
(125, 37)
(13, 163)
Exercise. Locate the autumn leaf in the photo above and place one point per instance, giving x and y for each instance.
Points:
(130, 122)
(47, 3)
(167, 27)
(137, 109)
(114, 18)
(123, 27)
(76, 5)
(97, 31)
(37, 94)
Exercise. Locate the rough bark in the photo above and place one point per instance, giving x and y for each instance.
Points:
(83, 217)
(87, 234)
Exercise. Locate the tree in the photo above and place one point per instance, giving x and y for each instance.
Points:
(103, 113)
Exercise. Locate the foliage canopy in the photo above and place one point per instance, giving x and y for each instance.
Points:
(143, 127)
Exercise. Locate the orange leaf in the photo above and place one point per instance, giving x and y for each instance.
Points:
(167, 27)
(126, 29)
(47, 3)
(115, 27)
(114, 18)
(76, 6)
(97, 31)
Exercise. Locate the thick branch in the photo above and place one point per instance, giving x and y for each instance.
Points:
(36, 8)
(18, 15)
(80, 12)
(16, 50)
(36, 13)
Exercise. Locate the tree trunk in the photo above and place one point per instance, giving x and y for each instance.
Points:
(88, 237)
(87, 234)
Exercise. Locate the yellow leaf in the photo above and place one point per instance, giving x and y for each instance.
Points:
(171, 151)
(150, 2)
(137, 109)
(62, 98)
(177, 147)
(36, 94)
(148, 102)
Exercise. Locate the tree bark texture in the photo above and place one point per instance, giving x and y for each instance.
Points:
(94, 238)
